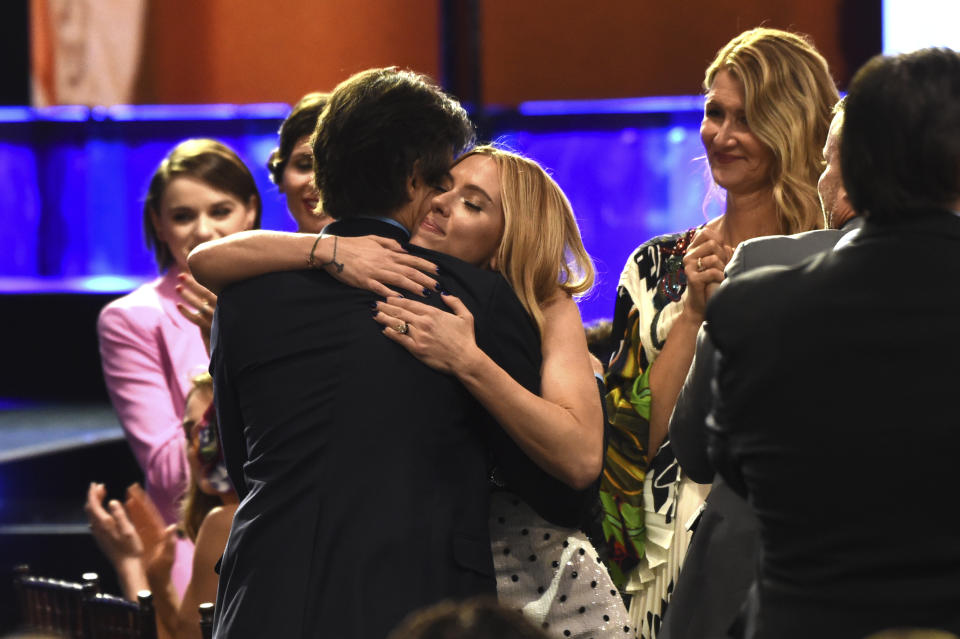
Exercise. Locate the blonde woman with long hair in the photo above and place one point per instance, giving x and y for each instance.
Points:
(767, 111)
(496, 210)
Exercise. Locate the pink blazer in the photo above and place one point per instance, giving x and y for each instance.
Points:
(149, 354)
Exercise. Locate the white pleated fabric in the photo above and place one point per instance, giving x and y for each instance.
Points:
(651, 583)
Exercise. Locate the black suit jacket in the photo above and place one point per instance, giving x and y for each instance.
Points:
(363, 474)
(719, 565)
(836, 417)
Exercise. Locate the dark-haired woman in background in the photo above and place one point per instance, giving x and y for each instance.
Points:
(291, 164)
(769, 97)
(149, 345)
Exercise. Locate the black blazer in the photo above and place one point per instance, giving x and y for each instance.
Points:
(719, 565)
(836, 417)
(363, 474)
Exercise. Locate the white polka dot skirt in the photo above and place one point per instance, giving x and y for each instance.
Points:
(553, 575)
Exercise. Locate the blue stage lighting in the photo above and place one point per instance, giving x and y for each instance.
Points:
(655, 104)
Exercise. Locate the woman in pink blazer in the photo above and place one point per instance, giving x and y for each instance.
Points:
(150, 345)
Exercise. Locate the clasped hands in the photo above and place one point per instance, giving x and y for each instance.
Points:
(703, 265)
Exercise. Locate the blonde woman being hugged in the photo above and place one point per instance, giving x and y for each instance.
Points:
(768, 105)
(498, 211)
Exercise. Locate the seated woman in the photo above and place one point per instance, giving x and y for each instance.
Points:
(142, 548)
(499, 211)
(148, 346)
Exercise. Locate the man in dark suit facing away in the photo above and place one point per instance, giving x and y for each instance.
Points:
(835, 411)
(362, 473)
(718, 569)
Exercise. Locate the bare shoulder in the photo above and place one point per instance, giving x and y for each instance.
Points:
(559, 306)
(562, 326)
(216, 525)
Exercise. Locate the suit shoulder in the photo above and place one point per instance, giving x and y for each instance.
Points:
(810, 238)
(757, 281)
(271, 285)
(495, 298)
(145, 296)
(475, 275)
(482, 284)
(758, 293)
(135, 311)
(781, 249)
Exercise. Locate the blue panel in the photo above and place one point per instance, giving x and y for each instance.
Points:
(16, 114)
(626, 186)
(653, 104)
(19, 207)
(186, 112)
(64, 113)
(72, 181)
(88, 284)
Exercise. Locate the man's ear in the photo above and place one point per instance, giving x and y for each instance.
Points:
(414, 181)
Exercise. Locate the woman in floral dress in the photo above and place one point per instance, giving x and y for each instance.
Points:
(768, 105)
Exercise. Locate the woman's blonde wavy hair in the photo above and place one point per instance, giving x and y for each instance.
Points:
(789, 97)
(541, 251)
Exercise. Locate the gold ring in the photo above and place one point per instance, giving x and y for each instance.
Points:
(699, 263)
(402, 328)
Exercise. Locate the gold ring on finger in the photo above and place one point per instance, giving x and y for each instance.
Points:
(699, 263)
(403, 328)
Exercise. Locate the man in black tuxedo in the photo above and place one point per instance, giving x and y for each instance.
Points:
(719, 566)
(362, 473)
(835, 410)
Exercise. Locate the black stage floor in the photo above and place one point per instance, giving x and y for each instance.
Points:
(30, 429)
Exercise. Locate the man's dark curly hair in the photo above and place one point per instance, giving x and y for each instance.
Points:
(901, 135)
(380, 128)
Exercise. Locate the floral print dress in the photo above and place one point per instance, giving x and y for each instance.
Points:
(646, 506)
